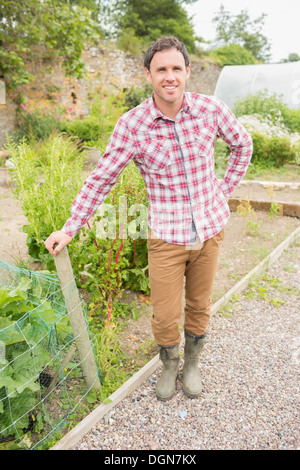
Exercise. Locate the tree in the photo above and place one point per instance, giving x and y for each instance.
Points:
(233, 54)
(150, 19)
(292, 57)
(239, 29)
(49, 28)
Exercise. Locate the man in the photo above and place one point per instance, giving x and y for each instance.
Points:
(170, 137)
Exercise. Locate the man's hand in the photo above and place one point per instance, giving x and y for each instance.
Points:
(57, 241)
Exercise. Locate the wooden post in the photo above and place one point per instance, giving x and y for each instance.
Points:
(78, 323)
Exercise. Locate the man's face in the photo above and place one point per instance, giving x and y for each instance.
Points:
(168, 76)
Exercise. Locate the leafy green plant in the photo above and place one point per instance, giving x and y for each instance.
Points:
(240, 29)
(46, 178)
(105, 265)
(246, 210)
(228, 308)
(274, 209)
(252, 228)
(37, 123)
(108, 108)
(47, 29)
(111, 359)
(25, 324)
(291, 118)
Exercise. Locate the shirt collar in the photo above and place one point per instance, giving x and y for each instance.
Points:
(153, 109)
(186, 104)
(156, 113)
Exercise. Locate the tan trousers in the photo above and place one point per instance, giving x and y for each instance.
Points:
(168, 264)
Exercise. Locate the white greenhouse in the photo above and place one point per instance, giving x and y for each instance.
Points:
(237, 81)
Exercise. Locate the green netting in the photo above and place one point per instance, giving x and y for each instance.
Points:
(41, 376)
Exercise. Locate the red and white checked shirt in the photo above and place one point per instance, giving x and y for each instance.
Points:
(176, 161)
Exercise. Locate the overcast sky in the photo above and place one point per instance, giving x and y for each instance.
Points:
(281, 24)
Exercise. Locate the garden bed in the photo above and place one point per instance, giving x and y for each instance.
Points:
(243, 248)
(89, 426)
(250, 236)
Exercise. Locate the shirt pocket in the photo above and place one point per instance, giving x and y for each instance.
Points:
(156, 155)
(204, 138)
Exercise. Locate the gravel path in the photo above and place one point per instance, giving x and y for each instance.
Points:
(250, 368)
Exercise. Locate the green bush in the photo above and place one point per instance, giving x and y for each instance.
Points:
(86, 130)
(269, 106)
(233, 54)
(291, 119)
(269, 151)
(95, 130)
(129, 42)
(274, 151)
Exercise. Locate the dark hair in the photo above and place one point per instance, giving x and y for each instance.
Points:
(164, 43)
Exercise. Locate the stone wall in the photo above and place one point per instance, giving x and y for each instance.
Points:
(106, 68)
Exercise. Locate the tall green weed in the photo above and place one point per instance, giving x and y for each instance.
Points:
(46, 179)
(105, 265)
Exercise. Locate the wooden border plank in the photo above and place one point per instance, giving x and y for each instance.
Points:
(274, 184)
(286, 208)
(137, 379)
(258, 269)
